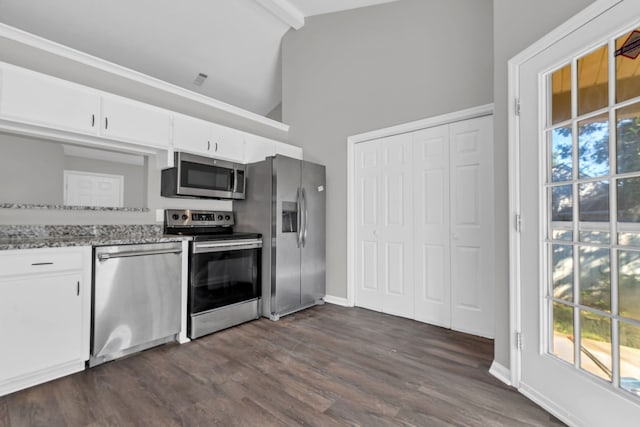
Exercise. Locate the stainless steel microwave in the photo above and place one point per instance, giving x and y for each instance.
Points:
(199, 176)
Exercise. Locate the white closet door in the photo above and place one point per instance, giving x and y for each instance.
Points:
(432, 262)
(472, 226)
(384, 228)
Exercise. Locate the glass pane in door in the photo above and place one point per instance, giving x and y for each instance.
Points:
(562, 342)
(593, 201)
(593, 81)
(562, 262)
(630, 358)
(628, 65)
(628, 138)
(593, 146)
(561, 95)
(595, 344)
(629, 284)
(561, 155)
(595, 281)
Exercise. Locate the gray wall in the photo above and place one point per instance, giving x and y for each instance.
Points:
(43, 185)
(517, 24)
(350, 72)
(40, 180)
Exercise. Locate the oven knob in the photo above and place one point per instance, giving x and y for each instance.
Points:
(219, 217)
(185, 217)
(227, 217)
(175, 217)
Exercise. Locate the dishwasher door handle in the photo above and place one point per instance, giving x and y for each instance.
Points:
(105, 257)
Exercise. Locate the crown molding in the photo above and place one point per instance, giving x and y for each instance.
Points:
(285, 11)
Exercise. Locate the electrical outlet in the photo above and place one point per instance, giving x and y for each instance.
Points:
(160, 215)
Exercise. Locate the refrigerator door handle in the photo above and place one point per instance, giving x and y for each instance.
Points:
(305, 219)
(298, 218)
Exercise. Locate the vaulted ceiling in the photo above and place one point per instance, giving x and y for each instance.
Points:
(235, 43)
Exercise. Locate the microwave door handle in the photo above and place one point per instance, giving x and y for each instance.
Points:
(234, 180)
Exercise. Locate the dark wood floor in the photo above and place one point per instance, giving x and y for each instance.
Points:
(325, 366)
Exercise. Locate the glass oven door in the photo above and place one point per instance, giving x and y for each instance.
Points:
(223, 273)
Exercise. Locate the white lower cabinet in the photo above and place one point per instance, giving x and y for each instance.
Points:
(45, 302)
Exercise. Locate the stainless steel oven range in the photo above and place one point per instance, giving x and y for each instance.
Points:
(224, 270)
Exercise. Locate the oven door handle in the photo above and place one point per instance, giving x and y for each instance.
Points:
(236, 245)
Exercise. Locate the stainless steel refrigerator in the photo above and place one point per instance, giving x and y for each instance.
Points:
(285, 202)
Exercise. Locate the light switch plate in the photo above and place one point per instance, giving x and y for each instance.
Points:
(160, 215)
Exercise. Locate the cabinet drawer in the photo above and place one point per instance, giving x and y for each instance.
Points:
(39, 261)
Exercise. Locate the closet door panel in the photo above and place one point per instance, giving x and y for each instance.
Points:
(368, 206)
(397, 231)
(472, 225)
(432, 303)
(384, 221)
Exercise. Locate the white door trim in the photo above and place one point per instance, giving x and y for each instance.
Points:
(589, 13)
(469, 113)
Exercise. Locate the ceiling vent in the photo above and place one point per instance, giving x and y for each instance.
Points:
(200, 78)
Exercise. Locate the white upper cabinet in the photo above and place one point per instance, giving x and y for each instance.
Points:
(258, 148)
(32, 102)
(131, 121)
(191, 135)
(227, 143)
(43, 100)
(206, 138)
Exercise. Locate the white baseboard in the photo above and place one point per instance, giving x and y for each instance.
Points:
(550, 406)
(337, 301)
(500, 372)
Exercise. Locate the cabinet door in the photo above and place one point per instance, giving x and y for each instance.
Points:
(227, 143)
(41, 322)
(192, 135)
(258, 148)
(131, 121)
(42, 100)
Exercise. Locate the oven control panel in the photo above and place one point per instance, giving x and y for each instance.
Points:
(197, 218)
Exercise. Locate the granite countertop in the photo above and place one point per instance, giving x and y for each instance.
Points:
(48, 236)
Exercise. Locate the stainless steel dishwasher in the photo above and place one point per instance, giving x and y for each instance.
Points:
(136, 298)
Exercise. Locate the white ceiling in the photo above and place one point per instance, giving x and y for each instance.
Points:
(235, 42)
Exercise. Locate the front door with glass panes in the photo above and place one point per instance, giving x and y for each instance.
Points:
(580, 207)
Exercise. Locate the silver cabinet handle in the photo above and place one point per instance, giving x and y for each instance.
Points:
(93, 120)
(106, 123)
(208, 145)
(78, 289)
(35, 264)
(216, 147)
(105, 257)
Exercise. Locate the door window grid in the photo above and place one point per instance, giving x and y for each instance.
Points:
(591, 240)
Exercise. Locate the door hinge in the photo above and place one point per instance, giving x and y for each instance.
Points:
(519, 340)
(517, 106)
(518, 223)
